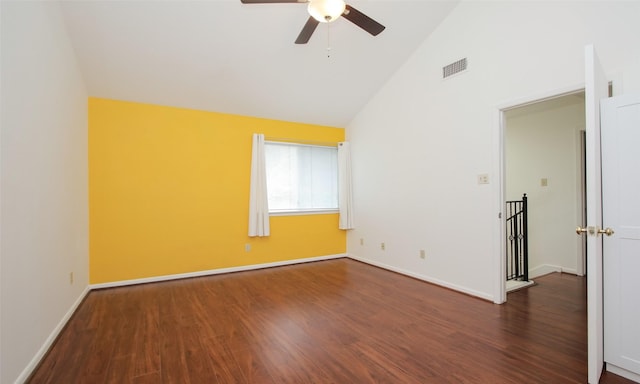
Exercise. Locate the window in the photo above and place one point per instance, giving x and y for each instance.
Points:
(301, 178)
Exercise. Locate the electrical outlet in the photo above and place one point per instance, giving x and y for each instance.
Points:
(361, 241)
(382, 246)
(247, 247)
(483, 178)
(423, 254)
(70, 277)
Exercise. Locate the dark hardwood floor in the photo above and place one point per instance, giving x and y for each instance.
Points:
(337, 321)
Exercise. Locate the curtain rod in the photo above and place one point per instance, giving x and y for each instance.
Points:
(301, 141)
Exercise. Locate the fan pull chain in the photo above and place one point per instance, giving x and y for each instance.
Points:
(328, 40)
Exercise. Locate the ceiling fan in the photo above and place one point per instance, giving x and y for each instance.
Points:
(326, 11)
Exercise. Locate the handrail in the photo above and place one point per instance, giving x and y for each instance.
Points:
(517, 266)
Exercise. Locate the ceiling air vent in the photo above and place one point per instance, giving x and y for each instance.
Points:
(454, 68)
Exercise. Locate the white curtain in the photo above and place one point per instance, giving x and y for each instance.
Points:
(345, 186)
(258, 202)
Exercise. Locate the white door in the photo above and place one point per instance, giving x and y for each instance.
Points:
(596, 89)
(620, 140)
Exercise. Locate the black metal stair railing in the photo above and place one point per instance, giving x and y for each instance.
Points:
(517, 240)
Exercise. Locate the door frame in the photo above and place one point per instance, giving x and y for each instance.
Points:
(500, 291)
(581, 263)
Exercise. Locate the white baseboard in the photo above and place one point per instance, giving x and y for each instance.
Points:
(28, 370)
(546, 269)
(623, 372)
(570, 271)
(210, 272)
(428, 279)
(52, 337)
(534, 272)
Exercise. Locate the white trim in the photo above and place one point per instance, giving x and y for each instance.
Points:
(538, 97)
(303, 212)
(210, 272)
(300, 143)
(499, 290)
(33, 364)
(516, 285)
(546, 269)
(52, 337)
(499, 245)
(623, 372)
(428, 279)
(543, 269)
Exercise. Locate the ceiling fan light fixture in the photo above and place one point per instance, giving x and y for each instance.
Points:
(326, 11)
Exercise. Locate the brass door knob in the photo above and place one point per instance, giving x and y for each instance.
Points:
(580, 230)
(607, 231)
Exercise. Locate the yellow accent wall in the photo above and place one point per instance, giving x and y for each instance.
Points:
(169, 193)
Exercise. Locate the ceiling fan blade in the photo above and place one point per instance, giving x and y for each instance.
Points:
(363, 21)
(271, 1)
(307, 31)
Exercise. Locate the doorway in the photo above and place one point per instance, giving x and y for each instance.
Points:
(544, 159)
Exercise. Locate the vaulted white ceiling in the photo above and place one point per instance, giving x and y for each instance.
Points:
(225, 56)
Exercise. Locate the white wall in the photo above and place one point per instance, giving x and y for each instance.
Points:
(44, 224)
(419, 145)
(542, 141)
